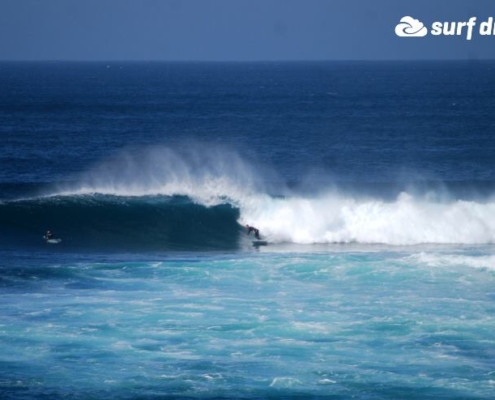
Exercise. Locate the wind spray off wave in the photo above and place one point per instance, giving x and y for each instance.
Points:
(207, 174)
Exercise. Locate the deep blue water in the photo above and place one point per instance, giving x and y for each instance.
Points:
(373, 183)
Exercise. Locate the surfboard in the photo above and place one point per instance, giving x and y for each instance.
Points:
(52, 241)
(260, 243)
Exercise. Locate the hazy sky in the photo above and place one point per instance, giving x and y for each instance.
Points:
(234, 29)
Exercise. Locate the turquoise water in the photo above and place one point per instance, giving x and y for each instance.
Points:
(342, 322)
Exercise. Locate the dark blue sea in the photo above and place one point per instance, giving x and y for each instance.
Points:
(372, 184)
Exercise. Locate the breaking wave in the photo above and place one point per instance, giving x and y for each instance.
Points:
(199, 198)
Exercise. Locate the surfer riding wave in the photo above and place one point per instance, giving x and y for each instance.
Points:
(253, 229)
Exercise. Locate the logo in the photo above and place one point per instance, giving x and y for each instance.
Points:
(410, 27)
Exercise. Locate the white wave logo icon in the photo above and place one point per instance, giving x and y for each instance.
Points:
(410, 27)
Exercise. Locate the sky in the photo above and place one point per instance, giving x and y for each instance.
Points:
(236, 30)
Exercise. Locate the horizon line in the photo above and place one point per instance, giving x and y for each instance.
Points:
(243, 61)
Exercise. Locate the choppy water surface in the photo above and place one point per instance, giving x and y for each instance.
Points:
(365, 324)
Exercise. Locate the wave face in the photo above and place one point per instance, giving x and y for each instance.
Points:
(102, 222)
(199, 198)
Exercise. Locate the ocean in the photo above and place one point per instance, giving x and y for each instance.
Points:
(372, 183)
